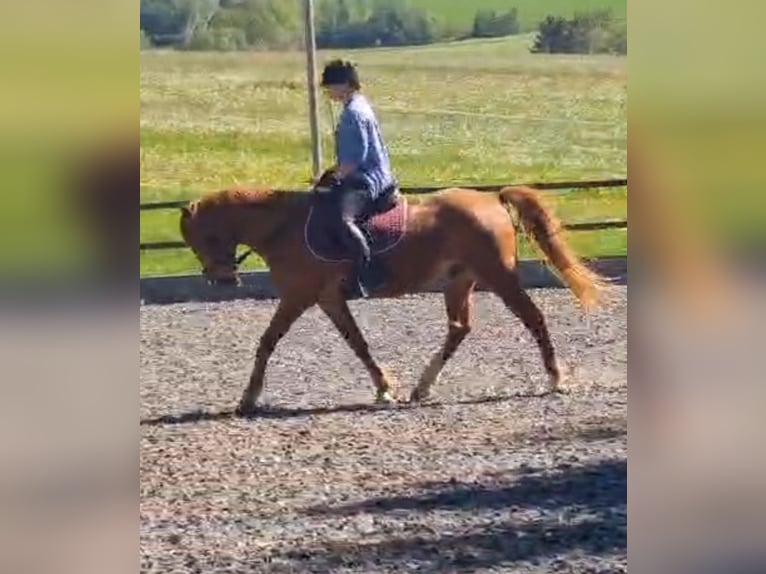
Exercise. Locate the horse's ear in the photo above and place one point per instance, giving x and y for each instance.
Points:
(188, 210)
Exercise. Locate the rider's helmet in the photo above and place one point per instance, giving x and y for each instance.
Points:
(339, 72)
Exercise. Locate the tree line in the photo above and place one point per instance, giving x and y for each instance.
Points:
(277, 24)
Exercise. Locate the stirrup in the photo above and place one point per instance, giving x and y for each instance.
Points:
(372, 277)
(356, 289)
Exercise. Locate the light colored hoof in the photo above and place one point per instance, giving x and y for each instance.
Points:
(556, 382)
(385, 398)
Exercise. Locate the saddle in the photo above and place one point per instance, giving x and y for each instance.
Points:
(388, 200)
(383, 222)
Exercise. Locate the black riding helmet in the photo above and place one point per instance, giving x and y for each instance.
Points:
(340, 72)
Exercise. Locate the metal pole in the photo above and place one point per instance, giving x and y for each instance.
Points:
(311, 73)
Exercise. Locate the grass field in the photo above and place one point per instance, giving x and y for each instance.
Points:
(461, 12)
(475, 112)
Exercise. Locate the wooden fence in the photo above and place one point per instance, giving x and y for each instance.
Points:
(561, 185)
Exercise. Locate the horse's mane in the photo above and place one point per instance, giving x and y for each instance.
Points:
(250, 196)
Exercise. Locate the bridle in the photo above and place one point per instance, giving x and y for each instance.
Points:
(237, 261)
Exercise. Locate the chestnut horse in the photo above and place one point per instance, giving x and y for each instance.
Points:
(459, 235)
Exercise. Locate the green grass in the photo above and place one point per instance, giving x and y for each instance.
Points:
(461, 12)
(474, 112)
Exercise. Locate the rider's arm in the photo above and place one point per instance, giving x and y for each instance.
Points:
(353, 144)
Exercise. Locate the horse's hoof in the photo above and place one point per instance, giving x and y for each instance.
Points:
(419, 395)
(550, 391)
(246, 410)
(556, 381)
(385, 398)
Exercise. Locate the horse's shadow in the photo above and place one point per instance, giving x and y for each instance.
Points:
(277, 412)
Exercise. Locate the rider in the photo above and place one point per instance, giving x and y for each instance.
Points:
(363, 169)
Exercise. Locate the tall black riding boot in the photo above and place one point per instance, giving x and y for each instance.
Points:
(358, 243)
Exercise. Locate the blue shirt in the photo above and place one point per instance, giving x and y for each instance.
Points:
(358, 141)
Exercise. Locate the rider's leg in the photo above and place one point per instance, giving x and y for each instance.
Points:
(352, 203)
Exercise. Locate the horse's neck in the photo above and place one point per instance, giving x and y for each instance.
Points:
(272, 220)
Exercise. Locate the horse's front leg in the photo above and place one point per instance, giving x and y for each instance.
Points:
(286, 314)
(336, 308)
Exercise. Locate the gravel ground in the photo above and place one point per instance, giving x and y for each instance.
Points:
(487, 477)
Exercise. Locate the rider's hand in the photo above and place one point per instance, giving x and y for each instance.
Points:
(314, 181)
(333, 181)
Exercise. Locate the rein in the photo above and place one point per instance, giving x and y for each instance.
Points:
(243, 257)
(332, 117)
(278, 230)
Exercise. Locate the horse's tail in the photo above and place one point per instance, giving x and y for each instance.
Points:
(544, 227)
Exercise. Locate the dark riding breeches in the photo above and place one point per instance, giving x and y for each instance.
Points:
(353, 201)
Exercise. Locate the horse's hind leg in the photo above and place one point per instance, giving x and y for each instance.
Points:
(457, 297)
(505, 283)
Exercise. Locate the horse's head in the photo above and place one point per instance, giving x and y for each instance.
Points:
(204, 230)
